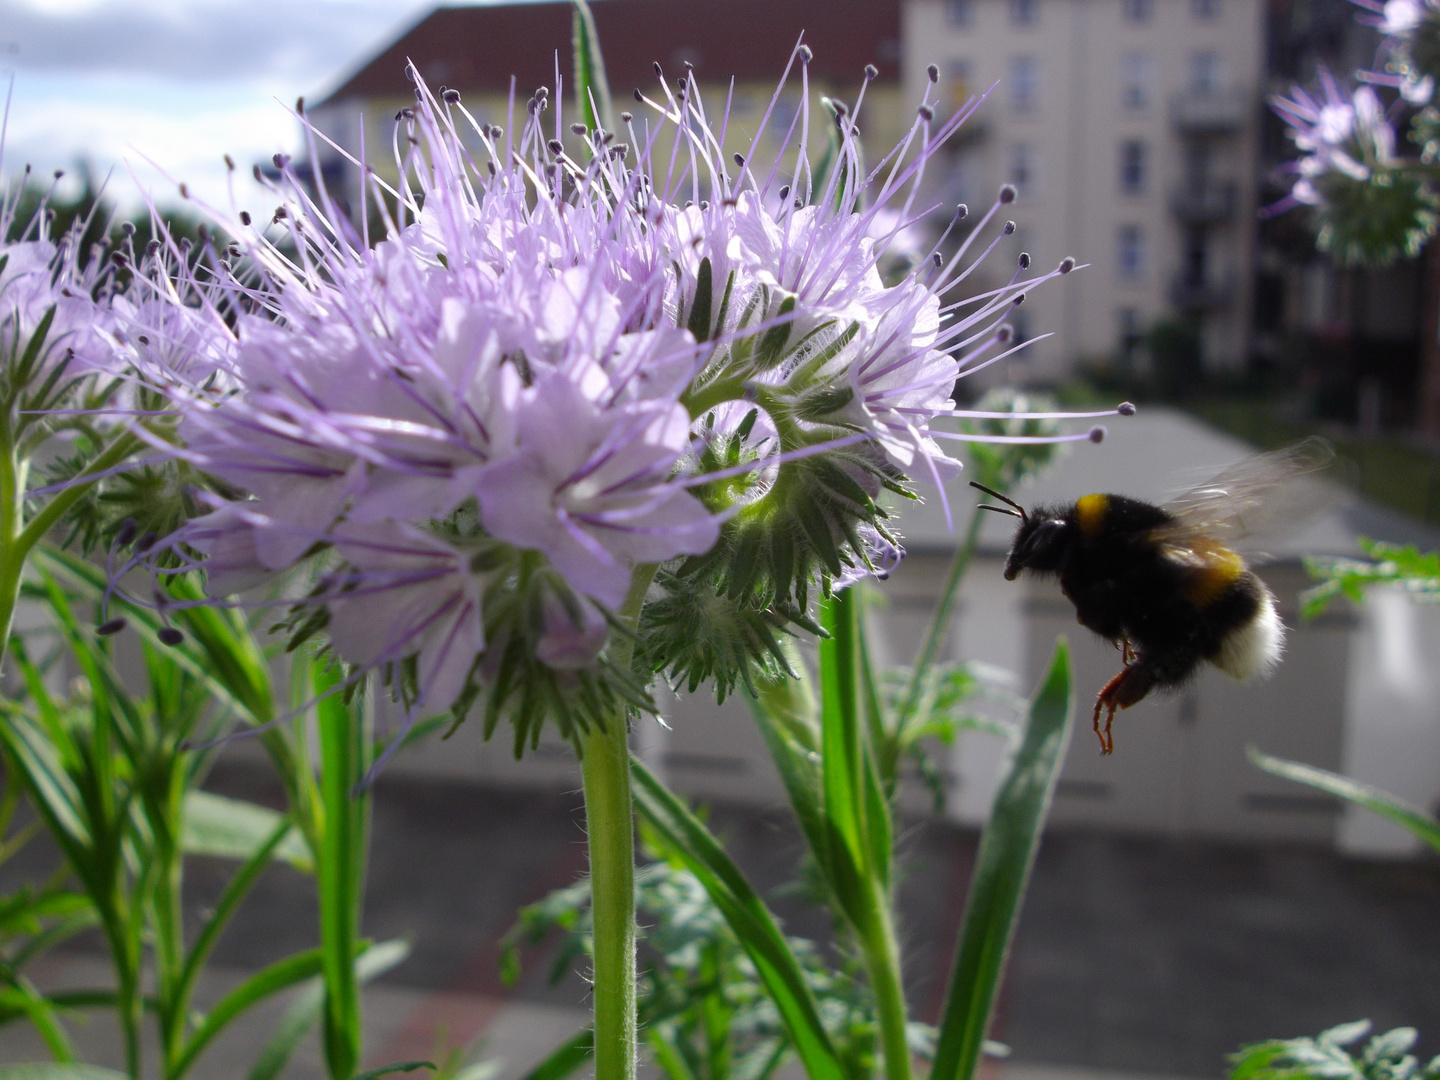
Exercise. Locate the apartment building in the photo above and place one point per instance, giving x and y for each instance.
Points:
(1131, 129)
(734, 49)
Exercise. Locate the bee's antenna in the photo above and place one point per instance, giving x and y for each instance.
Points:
(1018, 511)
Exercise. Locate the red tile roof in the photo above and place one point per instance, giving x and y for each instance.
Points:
(478, 48)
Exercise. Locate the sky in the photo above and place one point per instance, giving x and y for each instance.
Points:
(155, 92)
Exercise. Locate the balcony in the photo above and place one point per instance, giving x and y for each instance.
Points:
(1192, 294)
(1217, 113)
(1205, 204)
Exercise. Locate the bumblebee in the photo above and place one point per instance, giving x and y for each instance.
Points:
(1165, 584)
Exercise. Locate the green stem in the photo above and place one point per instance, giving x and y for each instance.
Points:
(717, 393)
(938, 625)
(605, 763)
(882, 963)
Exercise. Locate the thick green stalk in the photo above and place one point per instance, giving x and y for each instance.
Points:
(882, 964)
(609, 818)
(11, 559)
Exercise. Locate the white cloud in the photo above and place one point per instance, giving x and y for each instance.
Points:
(181, 82)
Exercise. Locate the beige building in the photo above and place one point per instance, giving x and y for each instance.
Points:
(1131, 128)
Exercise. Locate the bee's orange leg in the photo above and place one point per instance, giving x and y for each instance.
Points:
(1130, 685)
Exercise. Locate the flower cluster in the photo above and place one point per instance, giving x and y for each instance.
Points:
(573, 379)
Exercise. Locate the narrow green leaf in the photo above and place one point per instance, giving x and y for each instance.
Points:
(1002, 869)
(748, 917)
(305, 1011)
(267, 981)
(592, 89)
(1417, 821)
(56, 1070)
(565, 1058)
(396, 1067)
(341, 868)
(234, 829)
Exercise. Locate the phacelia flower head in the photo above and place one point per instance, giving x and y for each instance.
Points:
(567, 368)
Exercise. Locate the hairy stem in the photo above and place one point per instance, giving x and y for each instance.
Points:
(609, 820)
(938, 625)
(882, 962)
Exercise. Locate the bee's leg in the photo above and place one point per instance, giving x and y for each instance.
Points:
(1125, 689)
(1127, 652)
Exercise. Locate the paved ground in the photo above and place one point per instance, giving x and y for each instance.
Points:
(1135, 956)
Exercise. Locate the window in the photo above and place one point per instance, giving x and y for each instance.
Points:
(1132, 334)
(1022, 83)
(957, 83)
(1205, 9)
(1022, 168)
(1137, 11)
(1130, 251)
(1135, 77)
(1023, 12)
(1205, 72)
(959, 12)
(1133, 161)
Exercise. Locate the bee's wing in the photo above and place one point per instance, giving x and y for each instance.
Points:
(1258, 498)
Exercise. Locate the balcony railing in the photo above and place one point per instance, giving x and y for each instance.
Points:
(1211, 113)
(1212, 293)
(1204, 204)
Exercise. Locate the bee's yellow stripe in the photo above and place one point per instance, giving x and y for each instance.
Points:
(1218, 569)
(1090, 512)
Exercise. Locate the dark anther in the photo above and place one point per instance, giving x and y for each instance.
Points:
(1067, 264)
(639, 96)
(1125, 408)
(659, 71)
(555, 146)
(497, 132)
(280, 160)
(50, 215)
(244, 217)
(281, 213)
(411, 73)
(841, 109)
(739, 161)
(128, 228)
(233, 250)
(1004, 334)
(542, 92)
(618, 151)
(805, 54)
(490, 167)
(300, 105)
(203, 231)
(871, 71)
(784, 192)
(937, 260)
(229, 163)
(1018, 300)
(1024, 260)
(170, 636)
(704, 204)
(452, 97)
(152, 248)
(144, 340)
(118, 258)
(126, 533)
(1008, 193)
(1097, 434)
(259, 177)
(184, 192)
(1009, 228)
(114, 626)
(577, 129)
(934, 72)
(625, 117)
(400, 116)
(926, 113)
(680, 84)
(146, 542)
(960, 212)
